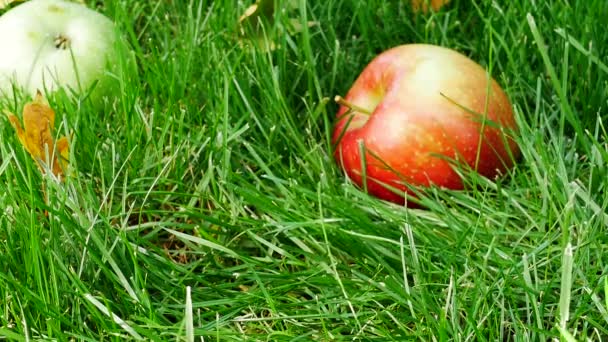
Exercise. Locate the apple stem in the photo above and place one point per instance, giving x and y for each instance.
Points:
(343, 102)
(62, 42)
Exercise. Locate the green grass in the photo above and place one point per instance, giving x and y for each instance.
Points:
(213, 171)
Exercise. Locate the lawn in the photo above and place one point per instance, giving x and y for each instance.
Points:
(205, 203)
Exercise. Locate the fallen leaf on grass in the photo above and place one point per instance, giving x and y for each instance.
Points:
(36, 136)
(261, 10)
(251, 23)
(423, 5)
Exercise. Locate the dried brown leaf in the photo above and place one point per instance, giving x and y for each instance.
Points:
(423, 5)
(36, 136)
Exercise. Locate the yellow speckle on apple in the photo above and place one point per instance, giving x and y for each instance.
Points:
(56, 9)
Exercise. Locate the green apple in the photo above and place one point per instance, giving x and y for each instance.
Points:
(49, 45)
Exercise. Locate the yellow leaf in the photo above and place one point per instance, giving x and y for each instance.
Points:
(261, 9)
(36, 136)
(423, 5)
(251, 26)
(64, 152)
(251, 22)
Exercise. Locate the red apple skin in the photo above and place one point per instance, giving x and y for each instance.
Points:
(427, 103)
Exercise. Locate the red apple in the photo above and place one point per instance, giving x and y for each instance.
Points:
(418, 112)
